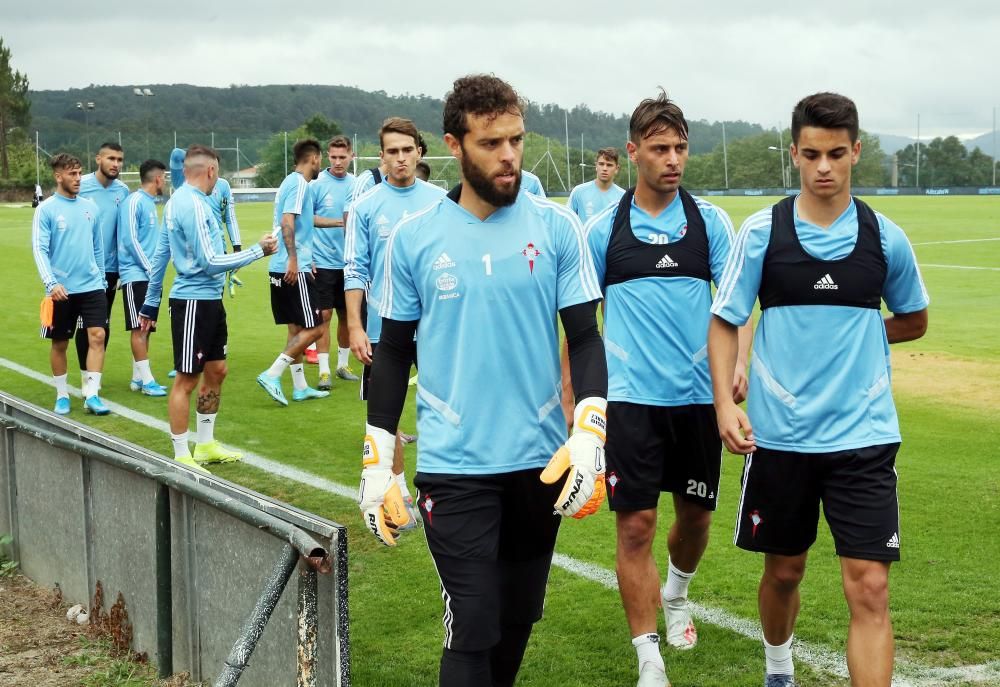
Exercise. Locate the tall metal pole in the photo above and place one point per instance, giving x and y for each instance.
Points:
(725, 156)
(918, 150)
(994, 146)
(569, 179)
(175, 139)
(628, 162)
(38, 174)
(781, 150)
(286, 153)
(583, 168)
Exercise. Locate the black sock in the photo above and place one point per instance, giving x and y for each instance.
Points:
(505, 657)
(82, 342)
(465, 668)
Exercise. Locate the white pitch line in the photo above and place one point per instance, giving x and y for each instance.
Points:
(821, 659)
(939, 243)
(961, 267)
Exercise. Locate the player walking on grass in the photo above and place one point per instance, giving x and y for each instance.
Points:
(68, 247)
(487, 272)
(291, 271)
(136, 245)
(192, 236)
(589, 198)
(821, 424)
(105, 189)
(331, 192)
(656, 252)
(369, 223)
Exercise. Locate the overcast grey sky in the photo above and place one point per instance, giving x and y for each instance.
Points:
(720, 60)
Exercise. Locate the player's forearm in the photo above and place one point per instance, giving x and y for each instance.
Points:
(906, 326)
(390, 374)
(587, 362)
(288, 235)
(327, 222)
(723, 347)
(353, 299)
(745, 340)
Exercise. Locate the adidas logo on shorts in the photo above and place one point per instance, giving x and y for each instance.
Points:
(893, 542)
(665, 261)
(825, 283)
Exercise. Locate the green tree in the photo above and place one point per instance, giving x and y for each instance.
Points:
(276, 159)
(15, 107)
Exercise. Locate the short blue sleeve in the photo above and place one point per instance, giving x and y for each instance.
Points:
(576, 281)
(721, 236)
(737, 293)
(904, 290)
(401, 299)
(598, 234)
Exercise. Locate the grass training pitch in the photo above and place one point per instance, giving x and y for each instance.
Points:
(944, 596)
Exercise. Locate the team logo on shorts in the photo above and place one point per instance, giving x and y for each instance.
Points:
(428, 507)
(530, 252)
(613, 482)
(683, 230)
(756, 520)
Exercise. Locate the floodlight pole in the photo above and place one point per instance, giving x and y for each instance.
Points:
(994, 146)
(569, 178)
(918, 150)
(86, 107)
(38, 173)
(145, 93)
(286, 153)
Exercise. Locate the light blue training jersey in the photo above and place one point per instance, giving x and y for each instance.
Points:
(531, 183)
(587, 199)
(108, 199)
(138, 228)
(331, 196)
(368, 227)
(820, 374)
(294, 198)
(220, 200)
(363, 183)
(67, 244)
(487, 295)
(656, 328)
(192, 237)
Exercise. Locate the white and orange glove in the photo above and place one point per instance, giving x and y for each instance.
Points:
(583, 456)
(379, 497)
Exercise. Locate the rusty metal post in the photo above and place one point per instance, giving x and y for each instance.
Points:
(253, 628)
(308, 631)
(164, 586)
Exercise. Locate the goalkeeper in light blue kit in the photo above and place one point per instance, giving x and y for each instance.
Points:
(488, 272)
(193, 238)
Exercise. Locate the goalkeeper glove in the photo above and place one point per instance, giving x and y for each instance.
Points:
(583, 456)
(379, 498)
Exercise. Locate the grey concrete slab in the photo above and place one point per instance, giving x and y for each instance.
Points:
(7, 524)
(50, 503)
(233, 560)
(123, 535)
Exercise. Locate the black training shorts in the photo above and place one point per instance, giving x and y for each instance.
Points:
(200, 333)
(654, 449)
(782, 492)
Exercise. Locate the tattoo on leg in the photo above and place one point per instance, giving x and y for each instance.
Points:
(208, 402)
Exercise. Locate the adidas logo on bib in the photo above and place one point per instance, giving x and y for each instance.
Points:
(443, 262)
(665, 261)
(825, 283)
(893, 542)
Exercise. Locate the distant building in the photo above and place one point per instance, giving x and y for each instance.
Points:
(245, 178)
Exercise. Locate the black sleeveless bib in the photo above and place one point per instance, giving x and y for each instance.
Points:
(629, 258)
(791, 276)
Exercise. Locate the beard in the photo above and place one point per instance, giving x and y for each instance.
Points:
(110, 173)
(485, 188)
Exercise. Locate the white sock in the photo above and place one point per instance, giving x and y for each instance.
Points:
(145, 374)
(206, 428)
(135, 369)
(180, 442)
(676, 586)
(324, 363)
(779, 658)
(298, 377)
(342, 359)
(647, 649)
(62, 389)
(91, 384)
(312, 346)
(279, 366)
(401, 481)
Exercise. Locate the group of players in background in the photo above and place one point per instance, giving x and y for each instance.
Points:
(487, 270)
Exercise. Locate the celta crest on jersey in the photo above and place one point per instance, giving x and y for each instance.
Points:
(531, 253)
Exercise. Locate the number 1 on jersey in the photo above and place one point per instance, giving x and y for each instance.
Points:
(488, 262)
